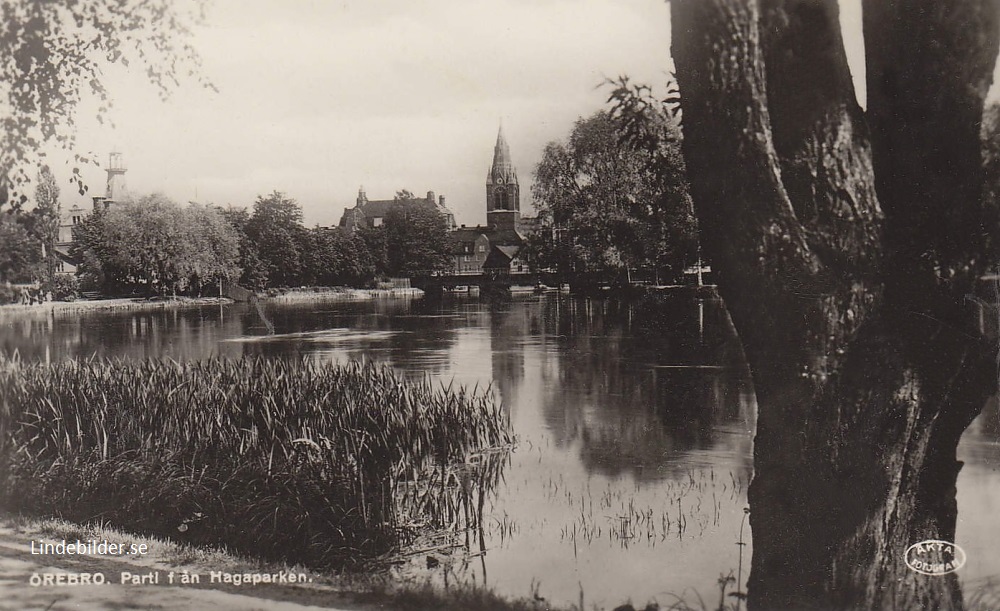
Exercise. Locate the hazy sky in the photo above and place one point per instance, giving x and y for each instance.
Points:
(317, 98)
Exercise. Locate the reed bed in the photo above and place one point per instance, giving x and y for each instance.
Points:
(295, 460)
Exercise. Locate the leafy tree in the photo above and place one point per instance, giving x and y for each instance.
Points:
(154, 245)
(336, 258)
(254, 275)
(52, 55)
(21, 252)
(91, 248)
(607, 203)
(275, 228)
(210, 248)
(846, 242)
(376, 243)
(650, 126)
(416, 239)
(46, 218)
(355, 264)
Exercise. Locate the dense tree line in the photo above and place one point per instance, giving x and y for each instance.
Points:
(277, 250)
(154, 246)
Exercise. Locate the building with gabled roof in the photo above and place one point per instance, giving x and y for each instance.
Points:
(372, 212)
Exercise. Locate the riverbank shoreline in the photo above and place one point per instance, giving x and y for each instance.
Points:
(340, 294)
(128, 303)
(161, 577)
(132, 303)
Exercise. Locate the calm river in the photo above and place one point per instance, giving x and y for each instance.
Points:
(634, 427)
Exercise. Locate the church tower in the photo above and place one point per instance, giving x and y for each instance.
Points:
(503, 198)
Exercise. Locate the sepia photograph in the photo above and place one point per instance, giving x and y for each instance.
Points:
(509, 305)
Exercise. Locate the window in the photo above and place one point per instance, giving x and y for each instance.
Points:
(377, 221)
(482, 248)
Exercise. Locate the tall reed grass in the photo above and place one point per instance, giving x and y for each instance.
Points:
(296, 460)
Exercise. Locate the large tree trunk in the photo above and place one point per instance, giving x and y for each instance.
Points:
(845, 247)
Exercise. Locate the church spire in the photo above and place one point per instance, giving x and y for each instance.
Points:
(503, 198)
(503, 171)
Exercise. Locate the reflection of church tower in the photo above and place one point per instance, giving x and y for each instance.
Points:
(503, 199)
(508, 330)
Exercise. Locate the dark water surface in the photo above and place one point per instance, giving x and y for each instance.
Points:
(634, 423)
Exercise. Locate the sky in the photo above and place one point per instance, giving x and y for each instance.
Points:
(317, 98)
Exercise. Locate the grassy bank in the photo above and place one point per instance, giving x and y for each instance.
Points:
(317, 464)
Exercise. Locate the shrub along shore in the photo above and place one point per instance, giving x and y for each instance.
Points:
(294, 460)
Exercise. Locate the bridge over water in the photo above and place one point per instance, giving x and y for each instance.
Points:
(434, 281)
(500, 279)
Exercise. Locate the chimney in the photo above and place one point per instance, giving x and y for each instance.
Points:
(430, 196)
(441, 199)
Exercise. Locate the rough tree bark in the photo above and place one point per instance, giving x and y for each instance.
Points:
(846, 243)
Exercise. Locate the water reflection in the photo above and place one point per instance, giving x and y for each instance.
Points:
(642, 412)
(631, 387)
(620, 410)
(180, 334)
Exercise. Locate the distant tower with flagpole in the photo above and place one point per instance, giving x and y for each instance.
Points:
(114, 189)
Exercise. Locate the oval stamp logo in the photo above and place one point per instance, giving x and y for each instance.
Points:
(933, 557)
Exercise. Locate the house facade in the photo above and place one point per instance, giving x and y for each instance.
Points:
(371, 213)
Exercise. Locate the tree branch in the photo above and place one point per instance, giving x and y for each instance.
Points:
(749, 225)
(820, 135)
(929, 66)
